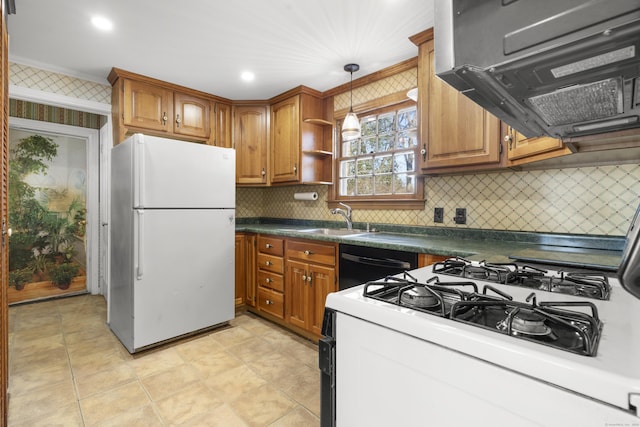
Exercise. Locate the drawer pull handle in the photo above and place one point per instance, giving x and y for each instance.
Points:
(268, 263)
(268, 246)
(308, 252)
(267, 280)
(268, 302)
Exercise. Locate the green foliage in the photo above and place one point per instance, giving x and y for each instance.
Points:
(62, 274)
(19, 278)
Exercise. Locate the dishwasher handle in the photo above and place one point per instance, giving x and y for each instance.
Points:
(377, 262)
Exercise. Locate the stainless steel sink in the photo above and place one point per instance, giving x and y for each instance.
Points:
(333, 231)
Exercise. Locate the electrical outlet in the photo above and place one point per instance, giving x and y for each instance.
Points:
(461, 216)
(438, 215)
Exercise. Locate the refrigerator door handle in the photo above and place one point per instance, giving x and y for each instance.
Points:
(140, 269)
(139, 176)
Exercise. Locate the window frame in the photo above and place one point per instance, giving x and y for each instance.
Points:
(386, 201)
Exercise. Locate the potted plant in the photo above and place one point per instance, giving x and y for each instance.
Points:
(19, 278)
(61, 275)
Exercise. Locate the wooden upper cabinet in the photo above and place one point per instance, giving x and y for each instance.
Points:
(250, 141)
(147, 106)
(522, 150)
(285, 140)
(301, 140)
(223, 126)
(154, 107)
(191, 115)
(455, 132)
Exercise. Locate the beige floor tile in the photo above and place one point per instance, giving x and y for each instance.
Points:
(170, 381)
(221, 416)
(274, 365)
(303, 386)
(197, 348)
(262, 406)
(235, 382)
(92, 363)
(251, 349)
(45, 344)
(39, 375)
(297, 418)
(188, 403)
(305, 352)
(228, 337)
(64, 416)
(144, 416)
(100, 343)
(105, 380)
(41, 403)
(155, 361)
(214, 364)
(101, 407)
(20, 363)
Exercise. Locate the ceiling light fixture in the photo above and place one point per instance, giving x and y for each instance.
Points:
(247, 76)
(102, 23)
(351, 123)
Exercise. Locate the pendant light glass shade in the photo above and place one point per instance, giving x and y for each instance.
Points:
(351, 124)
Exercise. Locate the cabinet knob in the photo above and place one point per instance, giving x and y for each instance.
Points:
(309, 278)
(178, 121)
(164, 118)
(307, 252)
(304, 277)
(268, 246)
(423, 152)
(268, 280)
(268, 302)
(263, 173)
(268, 263)
(295, 168)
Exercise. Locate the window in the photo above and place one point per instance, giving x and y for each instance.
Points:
(381, 164)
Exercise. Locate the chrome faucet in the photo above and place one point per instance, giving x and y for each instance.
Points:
(346, 215)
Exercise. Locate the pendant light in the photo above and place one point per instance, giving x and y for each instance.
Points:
(351, 123)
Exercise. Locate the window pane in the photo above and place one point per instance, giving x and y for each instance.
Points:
(407, 119)
(386, 123)
(347, 187)
(385, 143)
(403, 184)
(368, 145)
(364, 185)
(407, 139)
(382, 164)
(404, 162)
(383, 184)
(368, 126)
(365, 166)
(347, 168)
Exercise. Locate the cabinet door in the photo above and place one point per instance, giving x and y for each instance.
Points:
(323, 282)
(223, 126)
(250, 140)
(296, 294)
(285, 140)
(191, 115)
(240, 269)
(458, 131)
(250, 264)
(147, 106)
(521, 147)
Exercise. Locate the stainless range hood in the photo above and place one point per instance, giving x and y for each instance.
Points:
(561, 68)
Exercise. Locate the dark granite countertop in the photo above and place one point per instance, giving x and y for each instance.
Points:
(493, 246)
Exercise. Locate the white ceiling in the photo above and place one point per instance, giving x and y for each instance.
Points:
(206, 44)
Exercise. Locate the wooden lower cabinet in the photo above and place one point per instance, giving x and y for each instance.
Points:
(428, 259)
(245, 269)
(270, 275)
(240, 269)
(310, 277)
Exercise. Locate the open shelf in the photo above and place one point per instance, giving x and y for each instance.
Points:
(318, 122)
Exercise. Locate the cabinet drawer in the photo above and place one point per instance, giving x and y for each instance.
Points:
(271, 245)
(270, 263)
(270, 280)
(313, 252)
(271, 302)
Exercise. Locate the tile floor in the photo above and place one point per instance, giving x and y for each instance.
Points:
(67, 368)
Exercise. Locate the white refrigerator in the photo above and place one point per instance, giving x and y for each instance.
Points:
(172, 239)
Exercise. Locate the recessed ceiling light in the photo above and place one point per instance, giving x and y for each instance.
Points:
(102, 23)
(247, 76)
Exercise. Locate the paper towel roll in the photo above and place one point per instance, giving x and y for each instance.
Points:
(306, 196)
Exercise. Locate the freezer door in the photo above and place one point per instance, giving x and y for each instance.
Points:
(178, 174)
(184, 272)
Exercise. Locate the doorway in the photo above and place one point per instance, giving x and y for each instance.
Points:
(53, 209)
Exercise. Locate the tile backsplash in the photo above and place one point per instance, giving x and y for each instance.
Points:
(591, 200)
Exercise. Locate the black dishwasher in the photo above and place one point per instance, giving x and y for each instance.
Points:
(360, 264)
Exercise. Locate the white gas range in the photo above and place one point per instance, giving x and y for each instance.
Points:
(552, 359)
